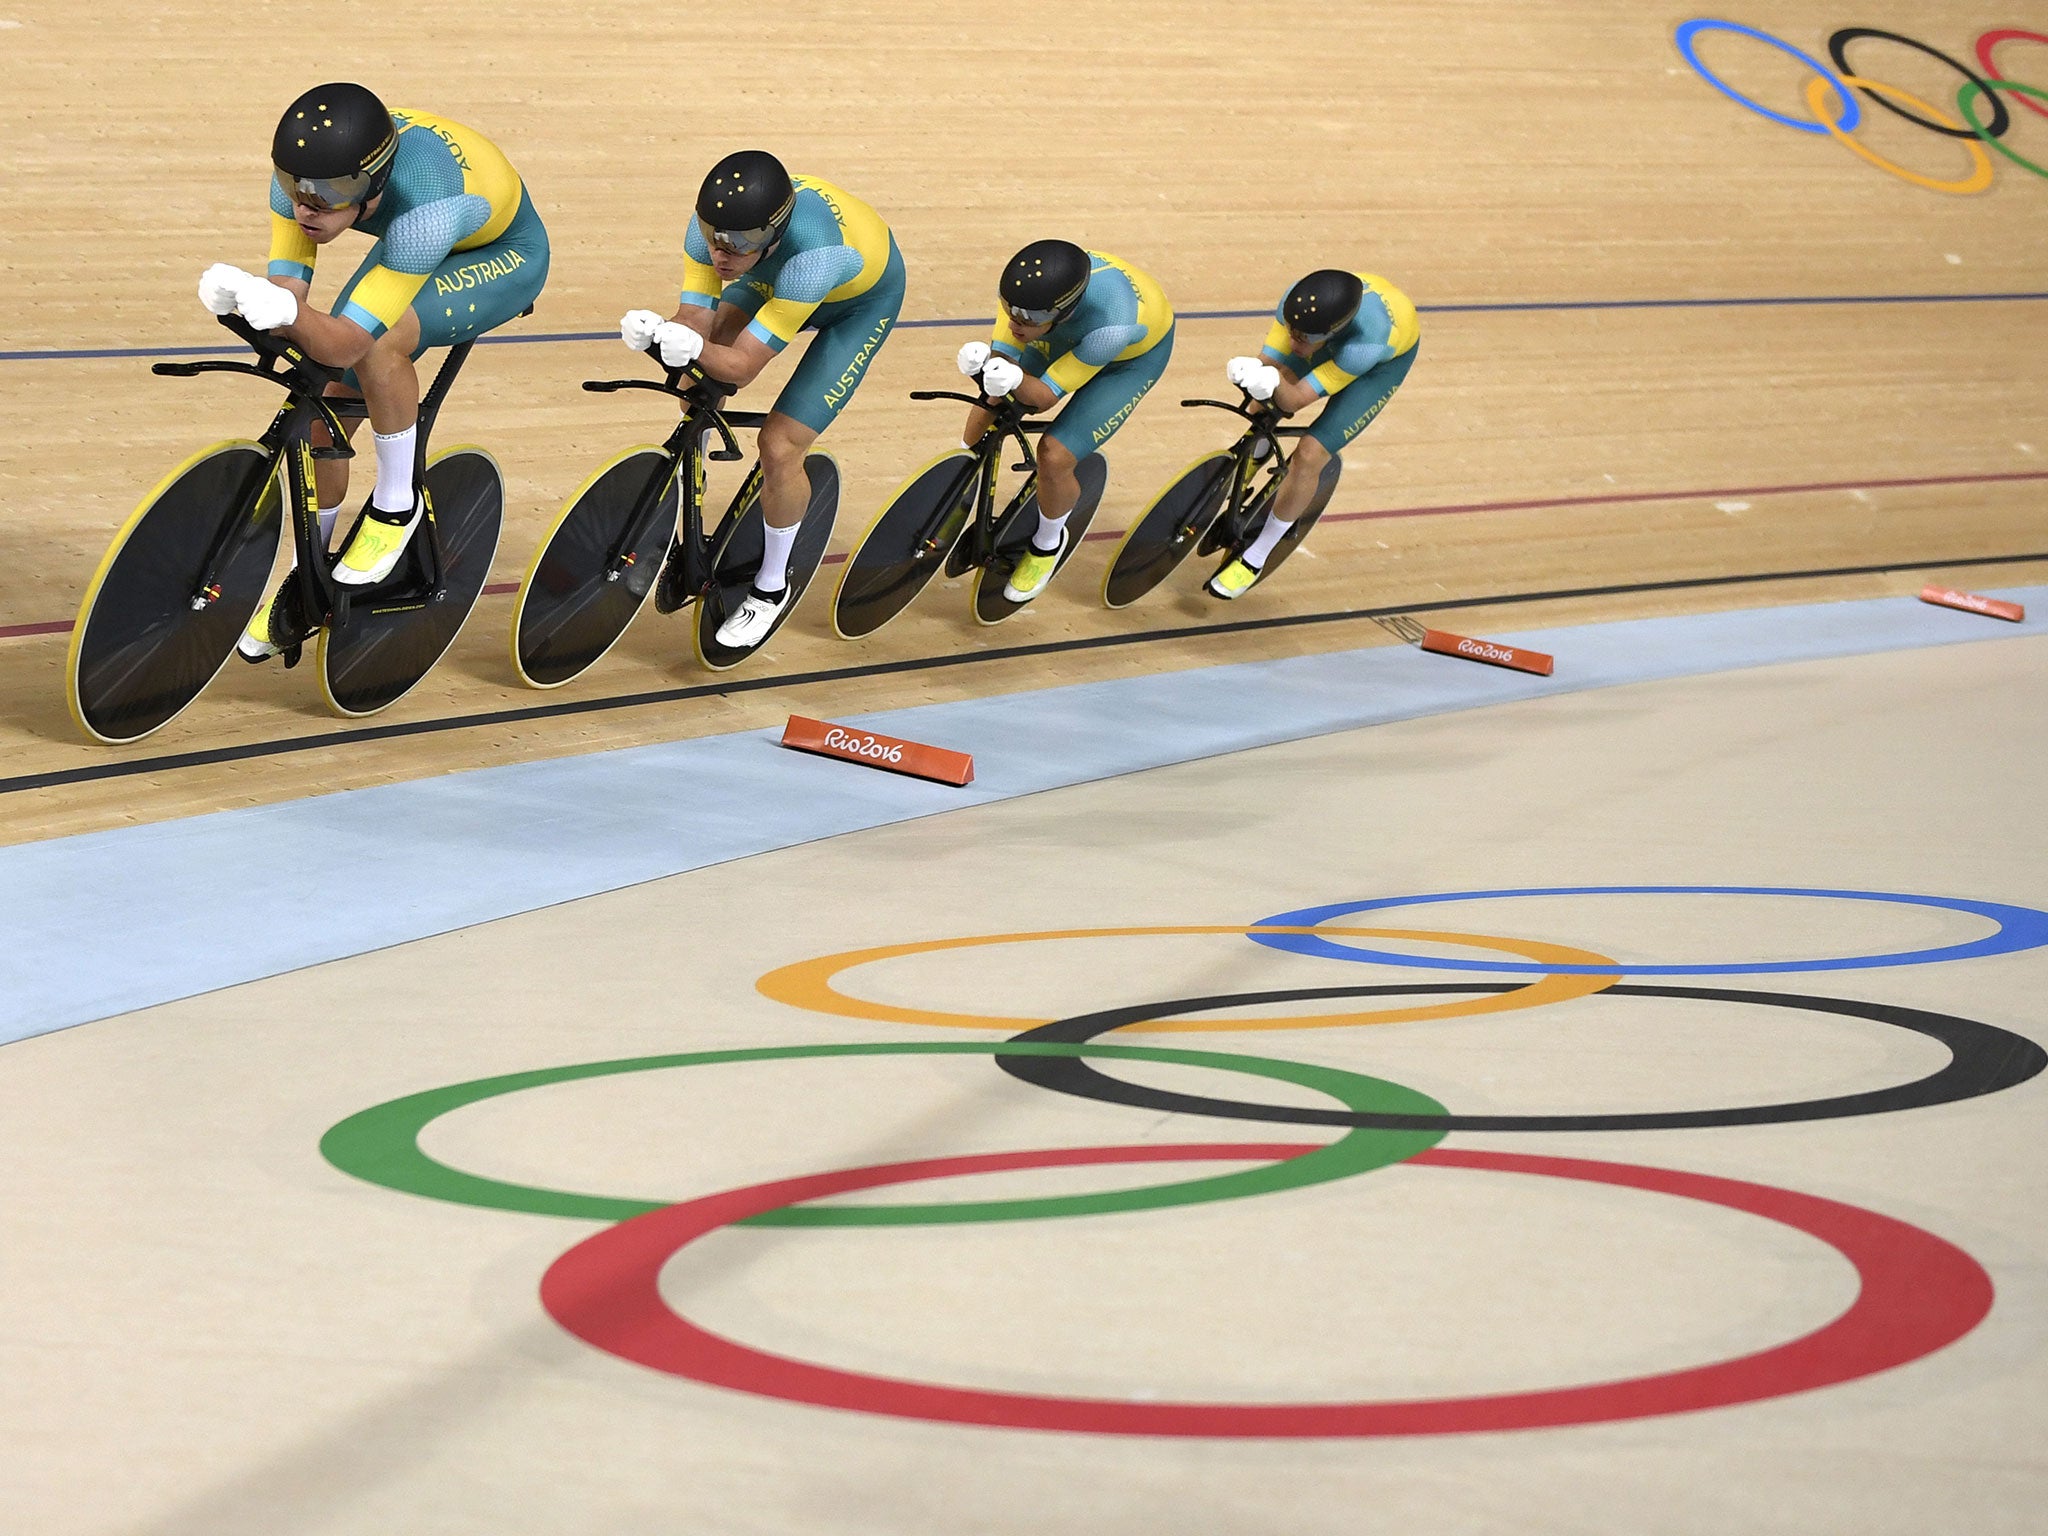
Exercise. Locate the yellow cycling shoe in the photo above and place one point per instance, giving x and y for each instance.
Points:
(373, 553)
(1033, 572)
(1234, 580)
(275, 629)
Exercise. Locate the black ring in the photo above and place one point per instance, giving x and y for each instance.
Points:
(1982, 1059)
(2001, 118)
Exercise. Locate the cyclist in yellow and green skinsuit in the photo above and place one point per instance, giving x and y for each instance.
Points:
(1075, 326)
(1345, 337)
(769, 256)
(459, 250)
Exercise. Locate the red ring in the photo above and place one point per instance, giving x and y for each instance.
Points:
(1918, 1294)
(1991, 40)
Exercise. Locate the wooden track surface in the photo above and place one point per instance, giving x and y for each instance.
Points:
(1475, 157)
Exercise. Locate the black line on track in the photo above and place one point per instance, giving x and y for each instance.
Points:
(279, 748)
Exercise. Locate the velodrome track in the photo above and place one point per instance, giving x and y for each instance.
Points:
(1703, 404)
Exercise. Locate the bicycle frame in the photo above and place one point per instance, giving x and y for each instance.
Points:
(289, 441)
(685, 449)
(1008, 422)
(1258, 445)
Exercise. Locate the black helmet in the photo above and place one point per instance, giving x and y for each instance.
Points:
(1322, 303)
(745, 203)
(334, 147)
(1044, 282)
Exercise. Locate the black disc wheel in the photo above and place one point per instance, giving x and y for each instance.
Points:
(182, 578)
(1167, 532)
(1013, 537)
(736, 560)
(1326, 487)
(594, 568)
(395, 631)
(905, 545)
(1255, 518)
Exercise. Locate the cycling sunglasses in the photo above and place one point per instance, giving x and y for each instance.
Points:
(325, 193)
(1025, 316)
(740, 242)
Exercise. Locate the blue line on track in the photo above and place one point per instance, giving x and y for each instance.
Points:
(88, 353)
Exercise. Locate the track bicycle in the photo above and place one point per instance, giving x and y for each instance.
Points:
(1216, 503)
(636, 527)
(190, 566)
(944, 515)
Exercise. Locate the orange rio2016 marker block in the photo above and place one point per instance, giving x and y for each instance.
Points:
(878, 751)
(1490, 651)
(1970, 602)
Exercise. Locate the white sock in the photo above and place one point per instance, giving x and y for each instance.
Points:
(1047, 540)
(1274, 531)
(776, 544)
(394, 471)
(327, 517)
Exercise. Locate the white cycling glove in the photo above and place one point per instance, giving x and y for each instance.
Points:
(220, 285)
(265, 305)
(1255, 378)
(637, 328)
(973, 358)
(999, 376)
(679, 344)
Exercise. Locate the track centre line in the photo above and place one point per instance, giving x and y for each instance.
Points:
(85, 354)
(278, 748)
(505, 588)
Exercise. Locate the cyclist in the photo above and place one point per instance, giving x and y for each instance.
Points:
(770, 255)
(459, 250)
(1071, 323)
(1348, 337)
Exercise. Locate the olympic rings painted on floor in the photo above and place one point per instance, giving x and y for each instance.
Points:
(1988, 44)
(1978, 179)
(1835, 82)
(808, 983)
(381, 1145)
(2018, 928)
(1838, 50)
(1687, 38)
(1983, 1059)
(1967, 96)
(1917, 1294)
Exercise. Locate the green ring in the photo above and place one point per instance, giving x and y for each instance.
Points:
(380, 1145)
(1970, 92)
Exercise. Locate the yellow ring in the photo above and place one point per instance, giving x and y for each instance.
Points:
(1819, 98)
(808, 983)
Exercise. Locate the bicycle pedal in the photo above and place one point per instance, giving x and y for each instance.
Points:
(291, 655)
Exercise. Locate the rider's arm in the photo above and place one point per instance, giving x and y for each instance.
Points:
(338, 343)
(1035, 394)
(738, 362)
(416, 242)
(1295, 392)
(327, 339)
(1303, 381)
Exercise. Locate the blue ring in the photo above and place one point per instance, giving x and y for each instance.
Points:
(2018, 928)
(1691, 29)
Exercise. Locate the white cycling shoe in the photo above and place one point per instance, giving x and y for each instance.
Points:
(753, 619)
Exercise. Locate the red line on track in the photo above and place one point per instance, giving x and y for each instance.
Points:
(1623, 498)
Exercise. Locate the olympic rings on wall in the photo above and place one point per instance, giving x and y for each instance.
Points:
(1836, 111)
